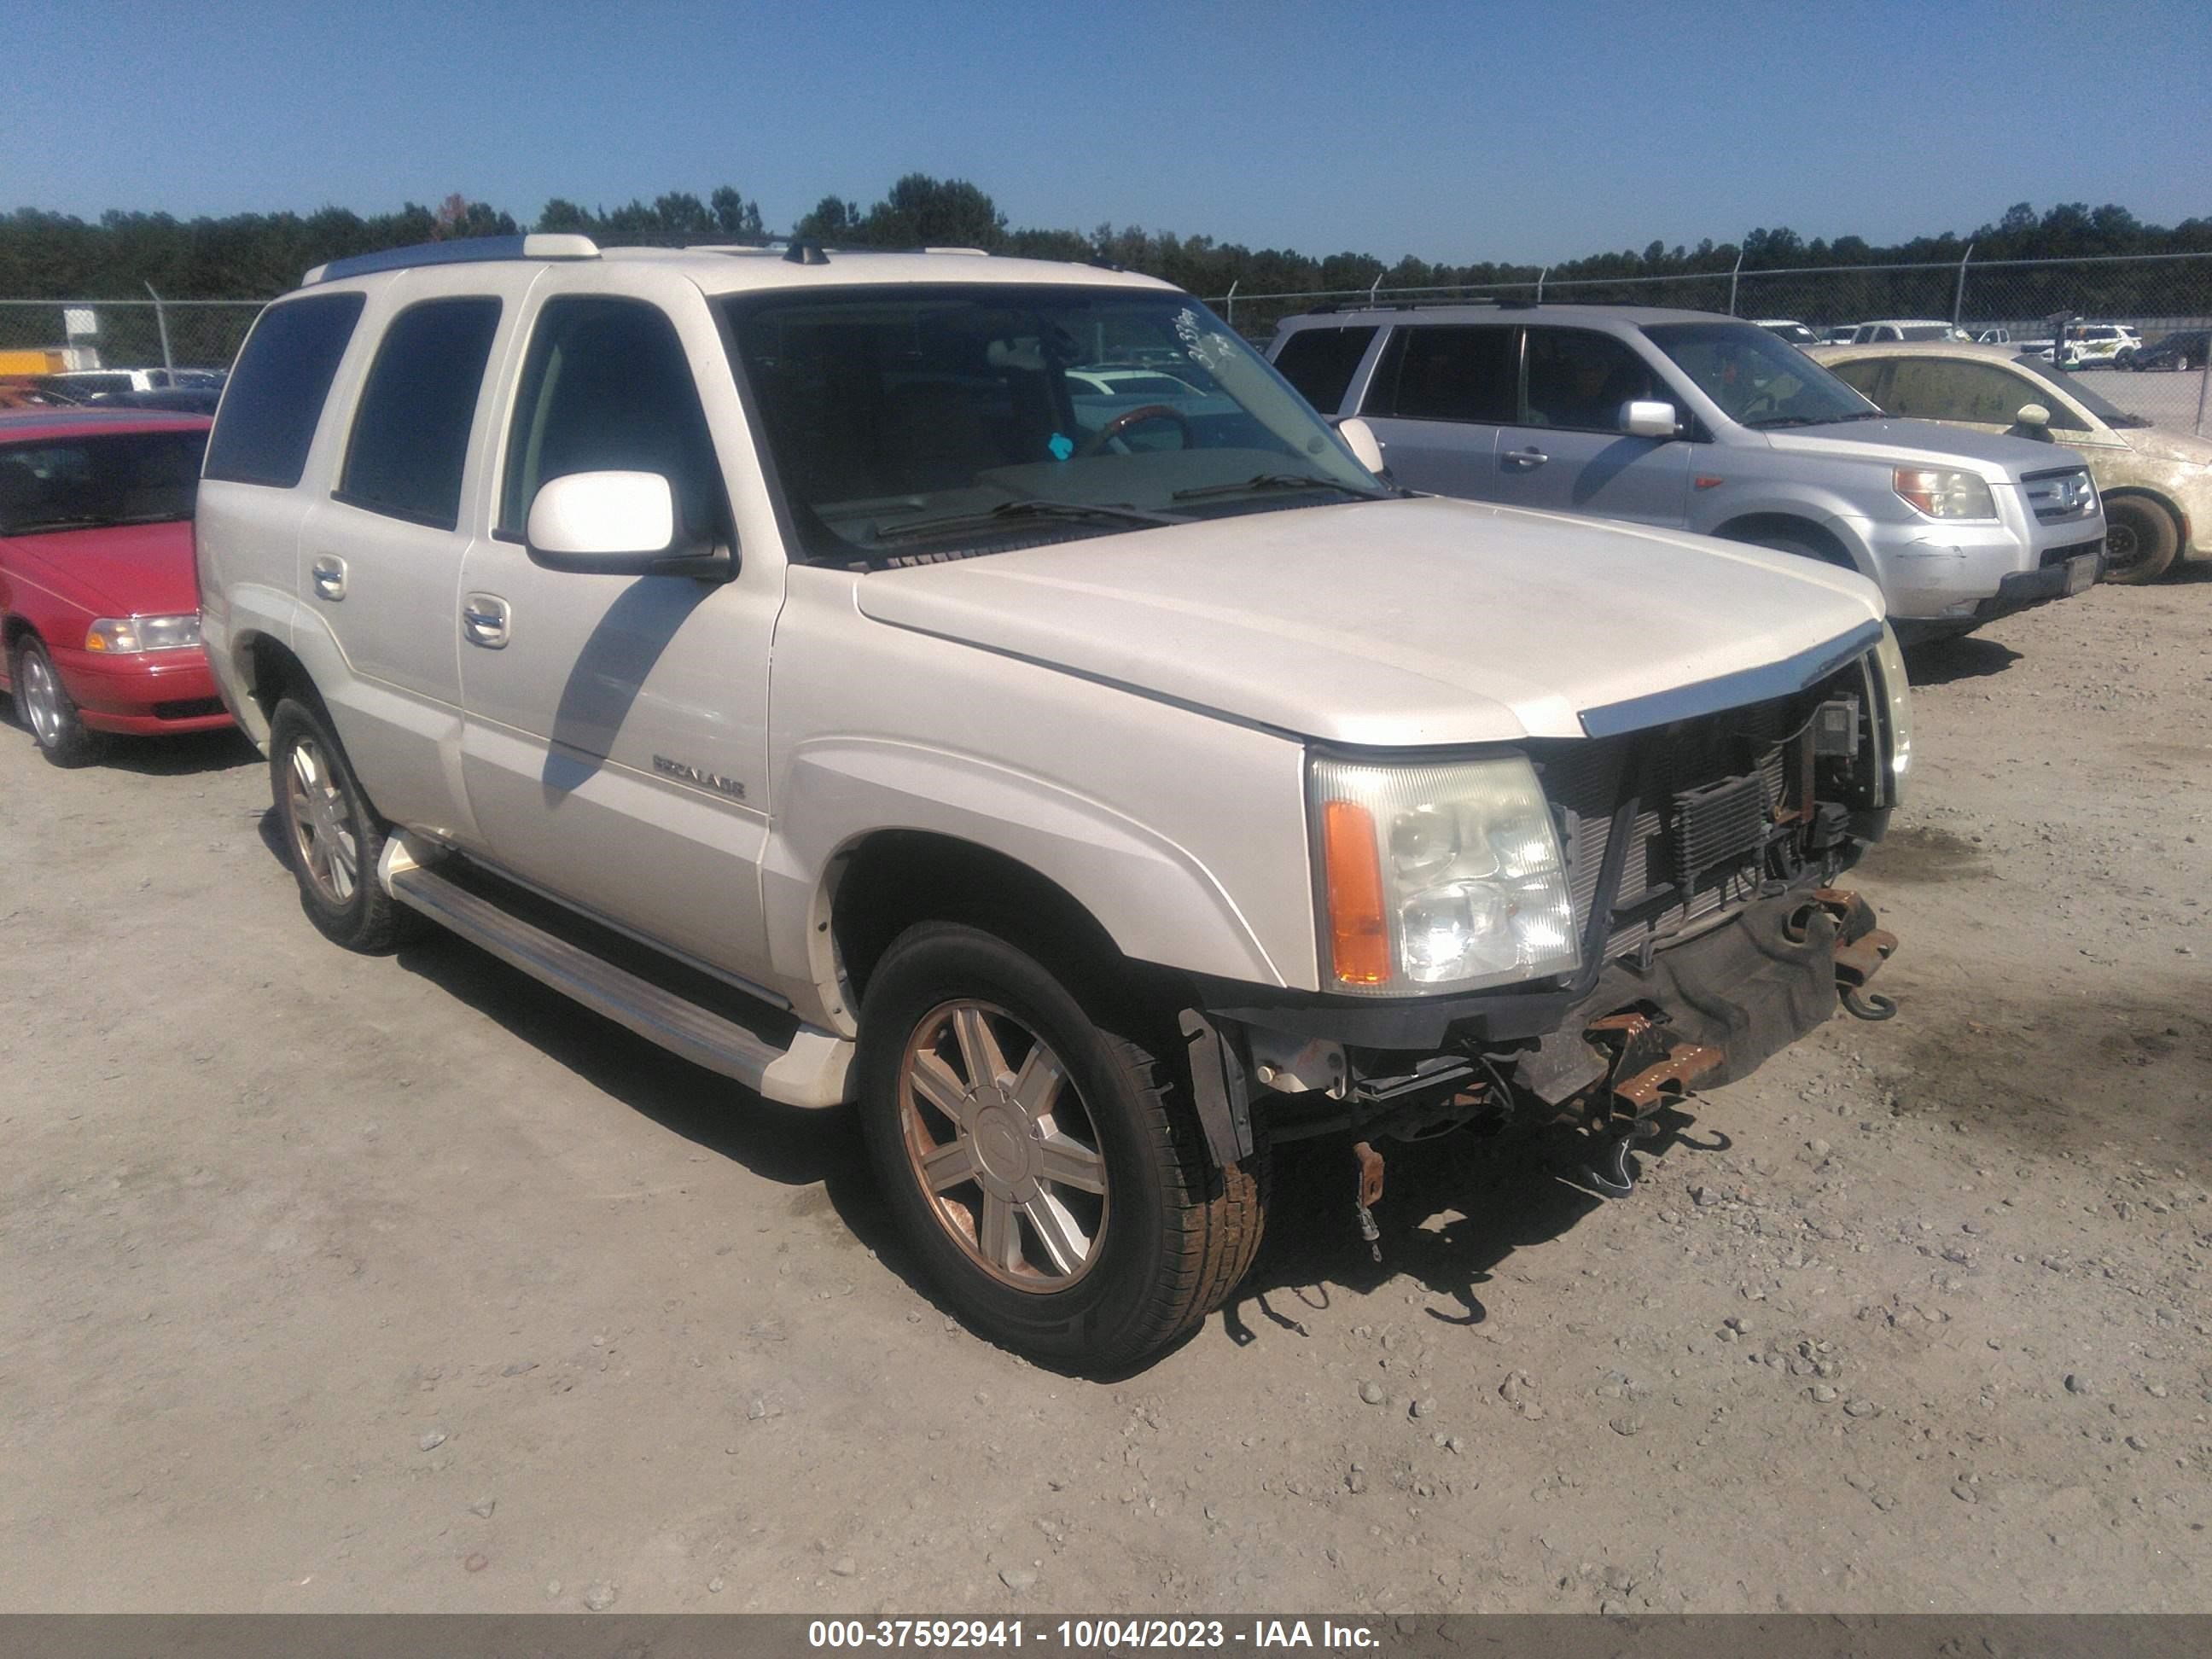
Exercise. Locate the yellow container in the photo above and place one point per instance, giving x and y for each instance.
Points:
(30, 362)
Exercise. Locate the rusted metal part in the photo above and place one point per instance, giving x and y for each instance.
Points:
(1371, 1194)
(1649, 1068)
(1670, 1079)
(1371, 1172)
(1860, 947)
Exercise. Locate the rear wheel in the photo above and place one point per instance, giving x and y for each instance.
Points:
(48, 709)
(2141, 540)
(332, 837)
(1047, 1170)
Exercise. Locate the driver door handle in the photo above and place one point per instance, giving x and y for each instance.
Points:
(1526, 458)
(485, 619)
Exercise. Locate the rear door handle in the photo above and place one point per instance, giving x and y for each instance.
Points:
(1526, 458)
(484, 620)
(329, 572)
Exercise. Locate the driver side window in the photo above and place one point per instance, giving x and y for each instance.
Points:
(607, 388)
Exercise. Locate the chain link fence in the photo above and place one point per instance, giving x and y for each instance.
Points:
(2165, 300)
(77, 335)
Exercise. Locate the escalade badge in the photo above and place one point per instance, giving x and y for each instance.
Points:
(719, 785)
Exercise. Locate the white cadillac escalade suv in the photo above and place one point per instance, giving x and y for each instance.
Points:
(818, 663)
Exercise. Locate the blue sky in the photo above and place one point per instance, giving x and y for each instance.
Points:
(1529, 131)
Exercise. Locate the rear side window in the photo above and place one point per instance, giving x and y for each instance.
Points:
(1439, 373)
(410, 435)
(607, 388)
(276, 389)
(1320, 362)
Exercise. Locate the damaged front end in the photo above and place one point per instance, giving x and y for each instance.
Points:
(1703, 857)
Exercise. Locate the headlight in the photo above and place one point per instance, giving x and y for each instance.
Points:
(125, 634)
(1943, 494)
(1439, 877)
(1897, 696)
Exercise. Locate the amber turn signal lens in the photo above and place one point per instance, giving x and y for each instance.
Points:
(1359, 938)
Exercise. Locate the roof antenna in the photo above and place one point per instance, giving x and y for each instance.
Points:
(805, 251)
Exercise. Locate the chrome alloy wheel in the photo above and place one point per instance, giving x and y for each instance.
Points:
(323, 830)
(41, 698)
(1003, 1147)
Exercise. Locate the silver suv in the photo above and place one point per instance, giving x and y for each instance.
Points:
(982, 691)
(1690, 421)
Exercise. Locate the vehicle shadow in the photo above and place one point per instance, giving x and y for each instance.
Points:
(1940, 662)
(1453, 1211)
(783, 1143)
(189, 755)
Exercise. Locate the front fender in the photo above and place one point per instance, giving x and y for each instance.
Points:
(1156, 900)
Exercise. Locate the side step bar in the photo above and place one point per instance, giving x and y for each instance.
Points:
(811, 1073)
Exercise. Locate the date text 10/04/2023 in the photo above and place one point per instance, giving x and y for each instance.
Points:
(1080, 1634)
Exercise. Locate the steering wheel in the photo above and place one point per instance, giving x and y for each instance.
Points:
(1129, 417)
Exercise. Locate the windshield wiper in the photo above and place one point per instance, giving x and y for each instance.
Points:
(1007, 514)
(72, 521)
(1816, 420)
(1264, 481)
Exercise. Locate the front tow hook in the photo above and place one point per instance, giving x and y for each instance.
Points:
(1860, 949)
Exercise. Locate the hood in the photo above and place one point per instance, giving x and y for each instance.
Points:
(121, 570)
(1395, 623)
(2167, 443)
(1914, 442)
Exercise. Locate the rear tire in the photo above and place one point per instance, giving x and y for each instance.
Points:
(43, 705)
(332, 837)
(1044, 1160)
(2141, 540)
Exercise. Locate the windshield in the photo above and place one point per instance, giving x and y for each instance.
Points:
(2079, 391)
(83, 484)
(1756, 378)
(908, 423)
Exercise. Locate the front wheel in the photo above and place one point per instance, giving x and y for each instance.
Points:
(48, 709)
(1050, 1173)
(332, 837)
(2141, 540)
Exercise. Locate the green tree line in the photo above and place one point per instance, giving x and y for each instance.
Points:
(253, 255)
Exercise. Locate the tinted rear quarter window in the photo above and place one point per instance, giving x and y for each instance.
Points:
(1320, 362)
(1445, 372)
(275, 392)
(410, 435)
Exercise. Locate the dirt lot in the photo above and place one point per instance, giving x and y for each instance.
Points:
(333, 1283)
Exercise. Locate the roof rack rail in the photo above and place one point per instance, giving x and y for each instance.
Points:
(468, 250)
(805, 251)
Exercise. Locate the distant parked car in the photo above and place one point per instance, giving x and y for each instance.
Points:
(1991, 337)
(1905, 328)
(2186, 349)
(2089, 345)
(99, 600)
(1841, 336)
(1787, 328)
(183, 399)
(1128, 383)
(2156, 480)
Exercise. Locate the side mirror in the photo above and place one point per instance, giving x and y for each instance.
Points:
(615, 523)
(2032, 415)
(1649, 419)
(1359, 438)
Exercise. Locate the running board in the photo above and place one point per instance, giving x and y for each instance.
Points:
(811, 1073)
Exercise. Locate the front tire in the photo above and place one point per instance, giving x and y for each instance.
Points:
(48, 709)
(332, 837)
(2141, 540)
(1048, 1171)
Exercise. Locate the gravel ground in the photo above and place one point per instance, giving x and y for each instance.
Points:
(346, 1283)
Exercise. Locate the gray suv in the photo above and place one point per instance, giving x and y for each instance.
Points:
(1690, 421)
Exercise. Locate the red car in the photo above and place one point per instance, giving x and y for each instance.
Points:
(99, 607)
